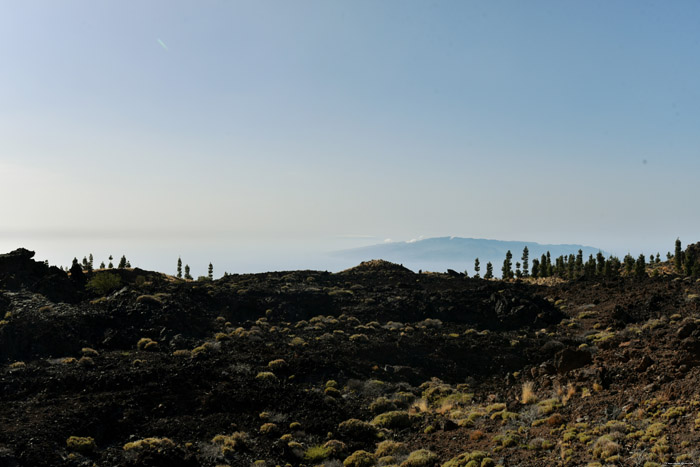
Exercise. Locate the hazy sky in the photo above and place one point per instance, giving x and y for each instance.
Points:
(549, 121)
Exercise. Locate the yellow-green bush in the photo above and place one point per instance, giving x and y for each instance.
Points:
(81, 444)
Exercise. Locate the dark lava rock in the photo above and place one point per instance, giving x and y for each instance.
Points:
(18, 270)
(686, 329)
(571, 359)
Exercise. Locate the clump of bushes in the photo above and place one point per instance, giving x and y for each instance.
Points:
(360, 459)
(146, 343)
(230, 443)
(420, 458)
(149, 444)
(397, 419)
(277, 364)
(81, 444)
(317, 453)
(357, 429)
(104, 283)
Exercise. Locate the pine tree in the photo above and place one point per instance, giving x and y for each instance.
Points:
(525, 258)
(579, 263)
(477, 268)
(90, 261)
(543, 265)
(128, 264)
(689, 261)
(489, 271)
(110, 266)
(678, 258)
(122, 262)
(601, 264)
(658, 258)
(187, 272)
(210, 275)
(518, 272)
(179, 267)
(507, 269)
(535, 268)
(549, 264)
(629, 264)
(102, 265)
(85, 264)
(570, 265)
(640, 267)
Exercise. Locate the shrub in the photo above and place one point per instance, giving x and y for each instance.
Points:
(317, 453)
(149, 444)
(360, 459)
(420, 458)
(80, 444)
(268, 429)
(266, 376)
(278, 364)
(337, 448)
(230, 443)
(357, 429)
(103, 283)
(528, 394)
(396, 419)
(146, 343)
(89, 352)
(389, 448)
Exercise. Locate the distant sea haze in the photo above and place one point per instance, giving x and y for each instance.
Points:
(237, 255)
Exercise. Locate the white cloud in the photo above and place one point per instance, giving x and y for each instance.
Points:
(388, 240)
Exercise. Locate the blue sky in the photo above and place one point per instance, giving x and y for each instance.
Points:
(272, 121)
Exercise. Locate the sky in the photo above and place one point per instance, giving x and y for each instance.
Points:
(234, 128)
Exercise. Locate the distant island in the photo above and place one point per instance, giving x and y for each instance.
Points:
(458, 253)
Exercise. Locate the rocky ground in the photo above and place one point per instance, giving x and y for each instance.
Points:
(376, 365)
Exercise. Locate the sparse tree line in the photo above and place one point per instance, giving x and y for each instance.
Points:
(188, 276)
(571, 267)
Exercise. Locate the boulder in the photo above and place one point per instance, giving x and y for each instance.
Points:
(570, 359)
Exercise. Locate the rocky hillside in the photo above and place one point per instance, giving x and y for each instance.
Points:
(375, 365)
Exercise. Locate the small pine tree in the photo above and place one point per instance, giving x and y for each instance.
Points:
(535, 268)
(110, 266)
(658, 258)
(507, 269)
(570, 266)
(210, 274)
(477, 268)
(518, 272)
(128, 264)
(629, 264)
(543, 266)
(102, 265)
(91, 261)
(179, 267)
(640, 267)
(579, 263)
(122, 262)
(600, 267)
(678, 258)
(526, 265)
(187, 272)
(85, 264)
(489, 271)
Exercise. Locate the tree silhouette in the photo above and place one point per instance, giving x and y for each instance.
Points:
(179, 268)
(477, 268)
(187, 272)
(210, 275)
(489, 271)
(507, 269)
(678, 258)
(122, 262)
(525, 258)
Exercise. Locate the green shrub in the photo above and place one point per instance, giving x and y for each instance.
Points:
(149, 444)
(360, 459)
(317, 453)
(420, 458)
(80, 444)
(103, 283)
(395, 419)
